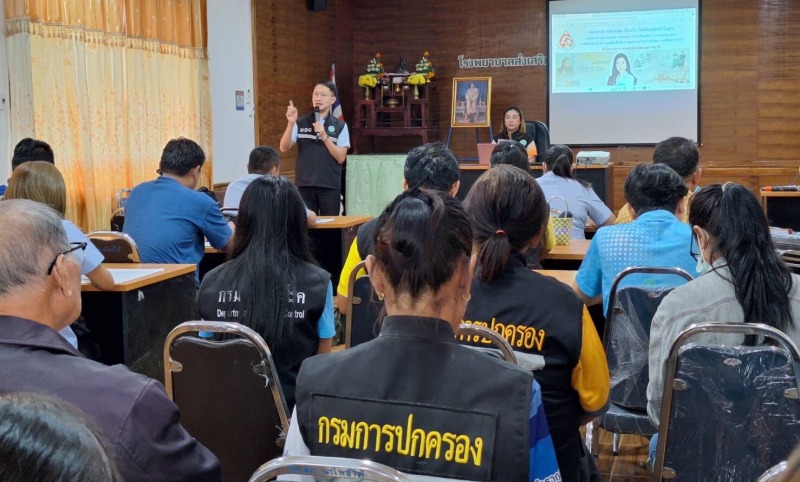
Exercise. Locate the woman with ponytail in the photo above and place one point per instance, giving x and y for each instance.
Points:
(541, 317)
(742, 280)
(558, 181)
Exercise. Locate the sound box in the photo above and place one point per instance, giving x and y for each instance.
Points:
(317, 5)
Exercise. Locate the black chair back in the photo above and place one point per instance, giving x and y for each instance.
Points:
(626, 339)
(116, 247)
(541, 136)
(729, 412)
(228, 393)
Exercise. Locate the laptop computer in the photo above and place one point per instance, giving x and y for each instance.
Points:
(485, 152)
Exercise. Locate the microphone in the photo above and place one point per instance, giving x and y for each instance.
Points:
(316, 118)
(781, 188)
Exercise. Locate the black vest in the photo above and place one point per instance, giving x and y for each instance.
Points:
(315, 166)
(539, 315)
(219, 303)
(415, 400)
(365, 238)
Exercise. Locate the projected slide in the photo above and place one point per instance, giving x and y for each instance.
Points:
(623, 72)
(619, 51)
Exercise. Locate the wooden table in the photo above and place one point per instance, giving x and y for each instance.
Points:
(575, 251)
(131, 321)
(566, 276)
(330, 239)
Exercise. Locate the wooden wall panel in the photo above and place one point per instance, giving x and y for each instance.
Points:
(750, 71)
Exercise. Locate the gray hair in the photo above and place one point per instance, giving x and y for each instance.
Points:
(31, 235)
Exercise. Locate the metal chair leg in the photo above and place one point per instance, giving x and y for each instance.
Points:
(615, 444)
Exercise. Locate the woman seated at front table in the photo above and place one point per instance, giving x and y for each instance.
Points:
(514, 129)
(272, 283)
(558, 181)
(42, 182)
(413, 398)
(539, 316)
(742, 280)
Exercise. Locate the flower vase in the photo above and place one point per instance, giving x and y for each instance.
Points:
(366, 93)
(416, 92)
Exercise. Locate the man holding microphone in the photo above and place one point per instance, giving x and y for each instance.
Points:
(322, 142)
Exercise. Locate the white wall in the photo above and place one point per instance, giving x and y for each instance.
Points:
(5, 148)
(230, 52)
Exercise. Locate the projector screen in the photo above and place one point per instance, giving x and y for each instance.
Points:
(623, 71)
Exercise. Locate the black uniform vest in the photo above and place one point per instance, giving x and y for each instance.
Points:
(539, 315)
(524, 139)
(315, 166)
(365, 238)
(415, 400)
(220, 303)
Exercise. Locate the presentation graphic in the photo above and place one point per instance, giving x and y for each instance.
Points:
(650, 50)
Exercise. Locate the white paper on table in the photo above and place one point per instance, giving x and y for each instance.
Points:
(324, 220)
(123, 275)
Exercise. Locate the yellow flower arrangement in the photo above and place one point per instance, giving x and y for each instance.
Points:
(367, 80)
(417, 79)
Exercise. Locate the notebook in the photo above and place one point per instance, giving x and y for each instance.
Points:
(485, 152)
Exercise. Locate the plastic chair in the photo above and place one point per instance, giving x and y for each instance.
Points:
(364, 309)
(327, 467)
(469, 330)
(116, 247)
(541, 136)
(229, 394)
(729, 412)
(230, 214)
(774, 473)
(626, 341)
(792, 258)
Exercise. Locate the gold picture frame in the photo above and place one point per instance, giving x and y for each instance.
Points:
(472, 102)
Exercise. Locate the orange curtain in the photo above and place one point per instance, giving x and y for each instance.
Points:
(107, 83)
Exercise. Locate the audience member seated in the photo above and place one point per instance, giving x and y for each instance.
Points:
(683, 156)
(514, 129)
(742, 280)
(40, 294)
(42, 438)
(272, 283)
(431, 166)
(471, 416)
(263, 160)
(536, 314)
(41, 181)
(513, 154)
(558, 181)
(657, 237)
(28, 150)
(167, 218)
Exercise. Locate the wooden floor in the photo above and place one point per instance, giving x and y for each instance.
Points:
(629, 465)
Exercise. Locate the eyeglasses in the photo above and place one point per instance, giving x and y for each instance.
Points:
(321, 94)
(692, 253)
(78, 251)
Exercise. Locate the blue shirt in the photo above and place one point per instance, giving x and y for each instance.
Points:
(168, 222)
(656, 238)
(92, 259)
(580, 200)
(543, 464)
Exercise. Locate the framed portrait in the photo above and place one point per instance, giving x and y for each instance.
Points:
(472, 102)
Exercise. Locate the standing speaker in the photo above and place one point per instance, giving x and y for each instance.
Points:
(317, 5)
